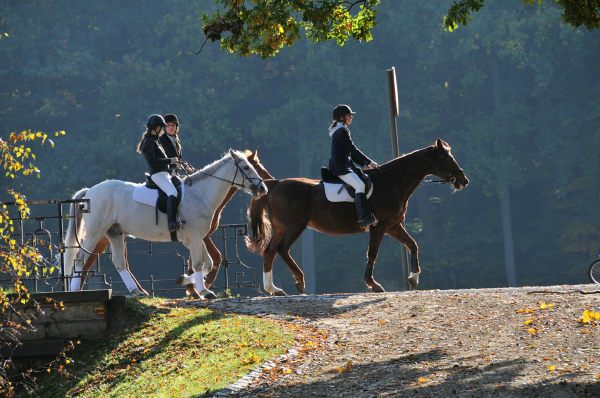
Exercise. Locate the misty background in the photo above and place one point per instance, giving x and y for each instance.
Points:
(515, 93)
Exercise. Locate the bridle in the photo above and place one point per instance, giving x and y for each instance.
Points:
(238, 169)
(450, 180)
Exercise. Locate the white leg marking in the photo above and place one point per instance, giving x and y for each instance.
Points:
(198, 278)
(129, 282)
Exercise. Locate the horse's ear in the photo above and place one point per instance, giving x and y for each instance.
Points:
(231, 153)
(442, 146)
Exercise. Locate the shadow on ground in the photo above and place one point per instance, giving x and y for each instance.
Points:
(417, 375)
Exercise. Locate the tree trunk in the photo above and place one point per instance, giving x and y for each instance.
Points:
(503, 191)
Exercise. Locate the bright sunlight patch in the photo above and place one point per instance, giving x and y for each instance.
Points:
(176, 351)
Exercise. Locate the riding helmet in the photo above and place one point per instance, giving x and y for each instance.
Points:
(170, 118)
(341, 110)
(155, 120)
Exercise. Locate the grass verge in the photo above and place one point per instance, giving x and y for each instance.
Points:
(174, 351)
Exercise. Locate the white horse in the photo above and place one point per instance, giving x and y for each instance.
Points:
(115, 214)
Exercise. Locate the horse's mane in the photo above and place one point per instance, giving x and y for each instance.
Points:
(212, 167)
(404, 157)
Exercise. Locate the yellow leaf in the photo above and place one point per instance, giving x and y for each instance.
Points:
(552, 368)
(544, 305)
(346, 368)
(287, 371)
(531, 331)
(529, 321)
(423, 380)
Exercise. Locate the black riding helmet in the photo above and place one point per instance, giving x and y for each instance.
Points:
(170, 118)
(341, 110)
(155, 120)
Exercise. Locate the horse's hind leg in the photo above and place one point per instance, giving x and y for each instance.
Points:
(399, 233)
(268, 259)
(117, 244)
(284, 251)
(375, 238)
(92, 259)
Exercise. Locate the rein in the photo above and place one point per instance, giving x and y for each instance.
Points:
(451, 180)
(232, 182)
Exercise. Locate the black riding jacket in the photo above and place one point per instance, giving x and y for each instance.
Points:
(343, 152)
(169, 147)
(155, 155)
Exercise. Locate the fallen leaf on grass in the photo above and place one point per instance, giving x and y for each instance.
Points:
(422, 380)
(551, 368)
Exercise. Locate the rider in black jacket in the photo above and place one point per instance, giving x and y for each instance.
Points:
(171, 143)
(343, 154)
(160, 165)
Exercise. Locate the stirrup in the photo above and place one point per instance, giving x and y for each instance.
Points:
(368, 221)
(174, 226)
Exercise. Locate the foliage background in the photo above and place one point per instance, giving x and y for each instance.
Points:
(514, 92)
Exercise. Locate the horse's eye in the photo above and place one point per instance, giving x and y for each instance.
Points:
(246, 167)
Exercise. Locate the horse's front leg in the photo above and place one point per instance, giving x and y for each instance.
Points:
(375, 238)
(216, 257)
(201, 265)
(399, 233)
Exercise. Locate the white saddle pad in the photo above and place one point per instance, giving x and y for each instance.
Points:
(338, 192)
(147, 196)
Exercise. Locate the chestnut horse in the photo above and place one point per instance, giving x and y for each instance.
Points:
(278, 218)
(213, 251)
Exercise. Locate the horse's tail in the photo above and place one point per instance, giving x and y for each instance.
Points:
(75, 232)
(260, 225)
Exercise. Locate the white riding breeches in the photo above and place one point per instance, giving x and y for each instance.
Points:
(354, 181)
(163, 180)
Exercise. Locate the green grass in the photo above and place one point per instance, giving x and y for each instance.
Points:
(183, 352)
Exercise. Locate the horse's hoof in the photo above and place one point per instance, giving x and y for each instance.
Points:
(280, 293)
(377, 289)
(138, 293)
(300, 287)
(183, 280)
(210, 296)
(413, 284)
(193, 294)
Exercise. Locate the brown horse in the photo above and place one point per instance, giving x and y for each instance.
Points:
(213, 251)
(278, 218)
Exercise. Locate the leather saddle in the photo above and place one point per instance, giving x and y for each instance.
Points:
(328, 177)
(161, 201)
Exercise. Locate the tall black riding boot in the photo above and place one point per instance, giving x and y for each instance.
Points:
(365, 218)
(172, 214)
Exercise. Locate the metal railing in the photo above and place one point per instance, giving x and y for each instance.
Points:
(49, 240)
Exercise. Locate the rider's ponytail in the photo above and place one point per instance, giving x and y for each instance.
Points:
(138, 147)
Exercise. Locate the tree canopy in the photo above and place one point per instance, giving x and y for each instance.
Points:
(264, 27)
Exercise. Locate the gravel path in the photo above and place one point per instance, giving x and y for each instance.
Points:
(513, 342)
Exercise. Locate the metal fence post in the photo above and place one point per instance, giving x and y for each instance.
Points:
(392, 90)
